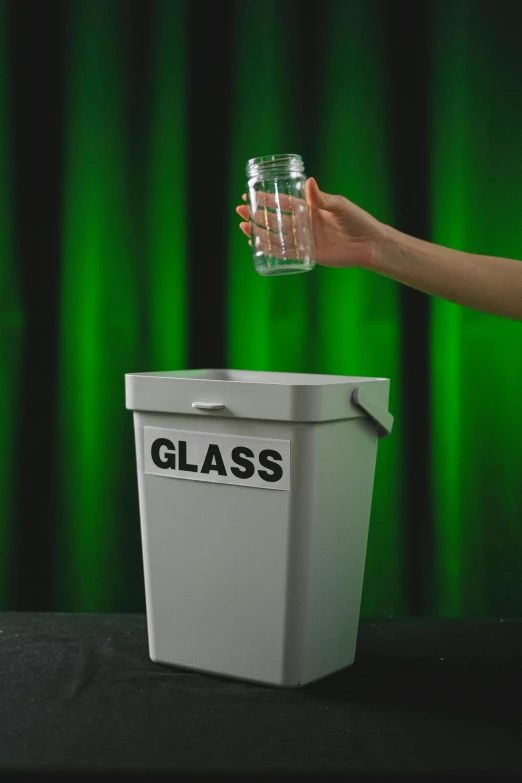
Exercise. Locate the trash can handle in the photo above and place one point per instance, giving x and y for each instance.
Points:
(208, 406)
(374, 409)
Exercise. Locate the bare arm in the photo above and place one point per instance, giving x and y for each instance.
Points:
(486, 283)
(347, 236)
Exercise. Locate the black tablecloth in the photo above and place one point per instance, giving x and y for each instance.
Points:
(79, 692)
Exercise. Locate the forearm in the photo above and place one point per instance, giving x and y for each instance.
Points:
(485, 283)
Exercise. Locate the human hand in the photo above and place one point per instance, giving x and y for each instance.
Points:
(345, 235)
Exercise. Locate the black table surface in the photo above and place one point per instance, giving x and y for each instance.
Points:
(440, 696)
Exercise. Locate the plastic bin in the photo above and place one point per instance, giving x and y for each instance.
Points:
(255, 494)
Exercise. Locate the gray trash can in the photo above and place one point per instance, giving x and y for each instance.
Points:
(255, 493)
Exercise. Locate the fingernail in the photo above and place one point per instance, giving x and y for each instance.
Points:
(244, 196)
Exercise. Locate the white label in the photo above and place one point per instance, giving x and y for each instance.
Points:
(221, 459)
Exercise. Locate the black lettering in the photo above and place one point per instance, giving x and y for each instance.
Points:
(170, 456)
(214, 461)
(183, 464)
(239, 455)
(265, 458)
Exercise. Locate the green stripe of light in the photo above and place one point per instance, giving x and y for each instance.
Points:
(358, 321)
(11, 325)
(167, 211)
(98, 309)
(267, 318)
(477, 369)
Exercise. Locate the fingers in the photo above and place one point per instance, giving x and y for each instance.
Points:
(281, 222)
(277, 201)
(313, 194)
(265, 204)
(264, 216)
(271, 221)
(244, 212)
(273, 244)
(316, 198)
(292, 244)
(284, 202)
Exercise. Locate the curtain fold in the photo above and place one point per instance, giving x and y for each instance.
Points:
(476, 358)
(99, 330)
(11, 327)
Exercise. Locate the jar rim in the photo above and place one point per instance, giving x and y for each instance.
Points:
(272, 162)
(274, 159)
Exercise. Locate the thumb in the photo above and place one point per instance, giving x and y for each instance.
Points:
(316, 198)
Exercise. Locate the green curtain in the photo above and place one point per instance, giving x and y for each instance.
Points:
(125, 277)
(118, 313)
(99, 331)
(313, 323)
(476, 358)
(358, 316)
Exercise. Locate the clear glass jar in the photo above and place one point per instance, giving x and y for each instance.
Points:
(281, 228)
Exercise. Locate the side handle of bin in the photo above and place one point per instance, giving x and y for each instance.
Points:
(374, 409)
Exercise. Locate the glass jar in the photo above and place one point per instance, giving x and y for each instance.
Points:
(281, 228)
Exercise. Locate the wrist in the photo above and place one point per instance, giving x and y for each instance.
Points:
(383, 246)
(389, 248)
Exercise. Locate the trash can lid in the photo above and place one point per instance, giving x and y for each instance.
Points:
(275, 396)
